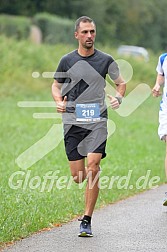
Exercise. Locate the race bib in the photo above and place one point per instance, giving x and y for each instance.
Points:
(88, 112)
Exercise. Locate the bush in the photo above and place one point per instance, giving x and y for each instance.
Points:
(55, 29)
(15, 26)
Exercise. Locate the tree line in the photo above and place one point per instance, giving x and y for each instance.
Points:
(133, 22)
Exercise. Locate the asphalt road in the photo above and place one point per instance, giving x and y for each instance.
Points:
(138, 223)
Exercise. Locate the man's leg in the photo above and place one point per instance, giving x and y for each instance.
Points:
(91, 193)
(78, 170)
(166, 158)
(92, 188)
(165, 199)
(79, 173)
(91, 173)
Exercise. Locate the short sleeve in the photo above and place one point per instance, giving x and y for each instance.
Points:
(159, 68)
(113, 70)
(60, 71)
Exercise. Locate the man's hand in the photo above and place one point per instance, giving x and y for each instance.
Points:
(156, 90)
(113, 102)
(61, 105)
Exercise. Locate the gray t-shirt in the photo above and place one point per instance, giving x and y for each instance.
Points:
(83, 82)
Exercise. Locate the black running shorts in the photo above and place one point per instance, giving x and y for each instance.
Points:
(83, 139)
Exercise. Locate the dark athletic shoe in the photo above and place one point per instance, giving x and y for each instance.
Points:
(85, 229)
(165, 200)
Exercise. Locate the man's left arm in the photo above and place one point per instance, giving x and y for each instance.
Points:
(120, 92)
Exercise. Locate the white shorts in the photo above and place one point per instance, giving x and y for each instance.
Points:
(162, 129)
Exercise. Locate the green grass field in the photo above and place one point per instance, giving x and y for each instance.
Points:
(27, 204)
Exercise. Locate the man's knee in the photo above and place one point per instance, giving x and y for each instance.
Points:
(93, 168)
(78, 177)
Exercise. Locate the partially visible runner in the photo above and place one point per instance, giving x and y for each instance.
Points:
(161, 80)
(78, 91)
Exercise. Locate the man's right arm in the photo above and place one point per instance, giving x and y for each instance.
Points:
(159, 82)
(56, 93)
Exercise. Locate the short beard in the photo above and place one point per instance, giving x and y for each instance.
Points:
(88, 46)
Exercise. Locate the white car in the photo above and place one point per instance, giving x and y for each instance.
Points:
(135, 51)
